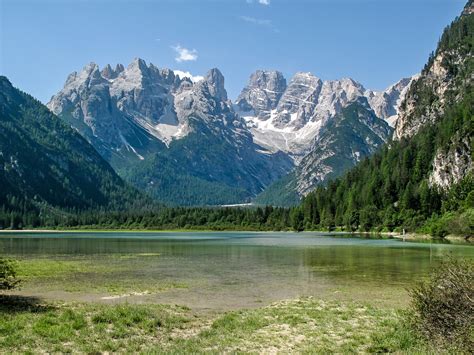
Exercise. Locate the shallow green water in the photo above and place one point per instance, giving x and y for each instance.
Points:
(232, 270)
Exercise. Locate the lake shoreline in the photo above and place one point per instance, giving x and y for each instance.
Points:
(395, 235)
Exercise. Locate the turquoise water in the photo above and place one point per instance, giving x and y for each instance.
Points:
(233, 270)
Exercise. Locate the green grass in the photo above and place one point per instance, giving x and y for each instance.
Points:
(30, 327)
(303, 326)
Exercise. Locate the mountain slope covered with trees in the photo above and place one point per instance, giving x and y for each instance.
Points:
(426, 173)
(46, 168)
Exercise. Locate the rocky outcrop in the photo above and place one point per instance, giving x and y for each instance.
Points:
(452, 165)
(434, 82)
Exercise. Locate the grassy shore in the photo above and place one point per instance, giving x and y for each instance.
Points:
(303, 325)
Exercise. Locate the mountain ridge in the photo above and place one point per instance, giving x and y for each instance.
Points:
(137, 115)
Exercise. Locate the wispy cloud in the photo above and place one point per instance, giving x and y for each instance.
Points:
(256, 21)
(185, 54)
(260, 22)
(261, 2)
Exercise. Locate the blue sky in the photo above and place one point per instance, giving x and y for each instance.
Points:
(376, 42)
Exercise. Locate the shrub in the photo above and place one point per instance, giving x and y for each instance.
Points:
(443, 306)
(8, 275)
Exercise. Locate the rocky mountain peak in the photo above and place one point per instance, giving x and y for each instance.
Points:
(306, 105)
(262, 93)
(109, 73)
(138, 63)
(215, 82)
(119, 68)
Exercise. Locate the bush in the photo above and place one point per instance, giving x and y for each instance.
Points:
(8, 275)
(443, 306)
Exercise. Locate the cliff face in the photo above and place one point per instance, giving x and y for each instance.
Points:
(452, 165)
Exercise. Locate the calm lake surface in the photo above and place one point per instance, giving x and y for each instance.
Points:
(219, 271)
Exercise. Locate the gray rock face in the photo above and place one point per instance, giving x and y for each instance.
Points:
(350, 136)
(262, 93)
(215, 82)
(452, 165)
(300, 99)
(438, 81)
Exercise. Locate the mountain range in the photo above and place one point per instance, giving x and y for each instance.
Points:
(181, 139)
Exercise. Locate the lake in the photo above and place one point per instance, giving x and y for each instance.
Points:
(221, 270)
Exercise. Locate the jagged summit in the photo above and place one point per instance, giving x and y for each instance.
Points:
(262, 92)
(215, 82)
(288, 117)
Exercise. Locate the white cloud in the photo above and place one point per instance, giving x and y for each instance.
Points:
(256, 21)
(186, 74)
(185, 54)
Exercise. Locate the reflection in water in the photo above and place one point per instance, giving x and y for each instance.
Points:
(232, 270)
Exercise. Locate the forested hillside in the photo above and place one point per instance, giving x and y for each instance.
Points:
(424, 177)
(47, 169)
